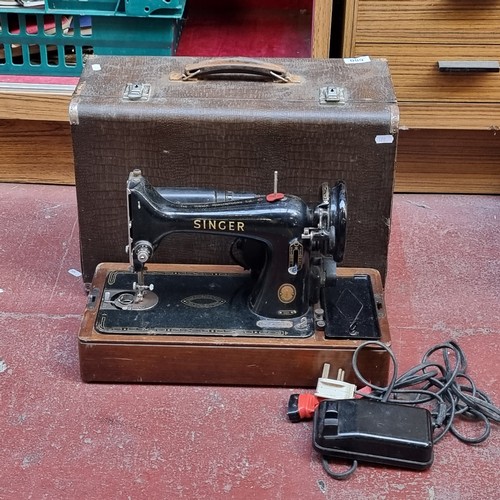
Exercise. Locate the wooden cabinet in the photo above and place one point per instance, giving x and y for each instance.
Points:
(414, 36)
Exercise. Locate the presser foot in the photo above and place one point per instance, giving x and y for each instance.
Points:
(130, 301)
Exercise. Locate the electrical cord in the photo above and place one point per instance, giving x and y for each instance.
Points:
(446, 387)
(339, 475)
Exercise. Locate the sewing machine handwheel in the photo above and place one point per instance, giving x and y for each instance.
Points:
(338, 219)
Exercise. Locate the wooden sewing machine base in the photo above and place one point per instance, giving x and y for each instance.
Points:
(223, 360)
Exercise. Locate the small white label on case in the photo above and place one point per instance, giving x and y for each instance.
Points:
(96, 67)
(384, 139)
(357, 60)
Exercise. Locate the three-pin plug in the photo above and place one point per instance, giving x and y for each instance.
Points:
(329, 388)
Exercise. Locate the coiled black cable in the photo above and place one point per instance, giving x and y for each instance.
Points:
(446, 388)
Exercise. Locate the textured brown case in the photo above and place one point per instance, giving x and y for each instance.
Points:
(189, 359)
(232, 132)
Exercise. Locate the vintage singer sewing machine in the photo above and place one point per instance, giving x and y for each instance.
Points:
(273, 319)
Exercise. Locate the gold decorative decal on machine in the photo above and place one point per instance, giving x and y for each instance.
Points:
(204, 301)
(112, 277)
(219, 225)
(287, 293)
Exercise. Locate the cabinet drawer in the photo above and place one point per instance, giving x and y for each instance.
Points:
(448, 161)
(424, 21)
(451, 116)
(416, 77)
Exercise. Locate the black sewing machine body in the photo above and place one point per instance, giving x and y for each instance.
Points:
(282, 286)
(287, 285)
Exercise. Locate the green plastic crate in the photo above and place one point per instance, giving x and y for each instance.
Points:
(132, 8)
(54, 40)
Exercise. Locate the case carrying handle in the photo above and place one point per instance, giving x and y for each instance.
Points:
(231, 67)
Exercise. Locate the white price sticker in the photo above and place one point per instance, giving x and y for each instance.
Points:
(384, 139)
(357, 60)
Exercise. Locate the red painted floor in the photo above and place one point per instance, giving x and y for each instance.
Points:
(64, 439)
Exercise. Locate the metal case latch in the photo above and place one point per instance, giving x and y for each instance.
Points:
(137, 91)
(330, 95)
